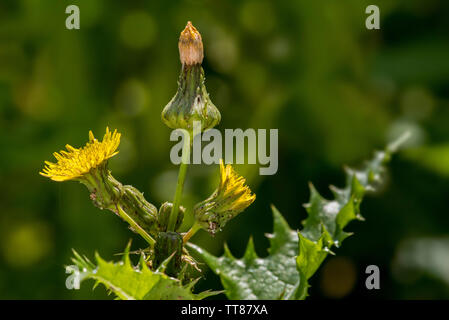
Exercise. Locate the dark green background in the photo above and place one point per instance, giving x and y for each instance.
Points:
(334, 89)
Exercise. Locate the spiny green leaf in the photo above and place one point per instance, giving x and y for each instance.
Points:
(130, 282)
(311, 254)
(335, 214)
(259, 278)
(295, 256)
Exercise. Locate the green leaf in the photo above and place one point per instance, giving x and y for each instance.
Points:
(252, 277)
(135, 283)
(334, 215)
(311, 254)
(295, 256)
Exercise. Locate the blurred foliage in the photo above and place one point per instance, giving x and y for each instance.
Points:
(419, 255)
(334, 89)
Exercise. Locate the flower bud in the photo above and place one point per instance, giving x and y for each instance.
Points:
(191, 102)
(163, 216)
(190, 46)
(139, 209)
(167, 244)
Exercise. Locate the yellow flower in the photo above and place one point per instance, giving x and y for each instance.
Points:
(232, 186)
(231, 197)
(75, 163)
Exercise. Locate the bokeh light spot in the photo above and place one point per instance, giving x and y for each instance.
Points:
(132, 97)
(338, 277)
(25, 244)
(257, 17)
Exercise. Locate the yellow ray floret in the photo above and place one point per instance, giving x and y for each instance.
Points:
(230, 198)
(74, 163)
(232, 186)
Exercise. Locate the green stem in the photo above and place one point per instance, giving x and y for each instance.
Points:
(135, 226)
(191, 232)
(179, 186)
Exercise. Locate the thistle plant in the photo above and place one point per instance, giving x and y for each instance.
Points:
(166, 265)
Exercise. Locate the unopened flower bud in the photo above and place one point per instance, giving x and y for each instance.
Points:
(164, 215)
(191, 102)
(139, 209)
(167, 244)
(190, 46)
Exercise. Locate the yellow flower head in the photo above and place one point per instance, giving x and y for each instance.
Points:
(231, 197)
(74, 163)
(232, 186)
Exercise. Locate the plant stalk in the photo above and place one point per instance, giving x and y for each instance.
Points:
(135, 226)
(180, 185)
(196, 226)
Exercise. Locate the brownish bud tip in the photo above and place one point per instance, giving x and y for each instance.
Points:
(190, 46)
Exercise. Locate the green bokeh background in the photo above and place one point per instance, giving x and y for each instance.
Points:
(334, 89)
